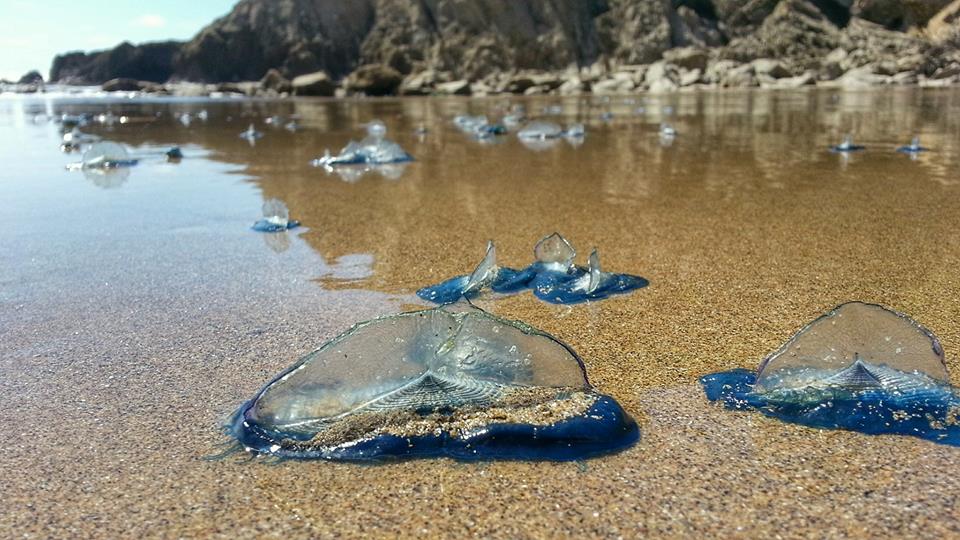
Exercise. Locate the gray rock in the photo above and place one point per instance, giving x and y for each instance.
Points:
(690, 77)
(122, 85)
(687, 58)
(374, 80)
(419, 84)
(274, 81)
(454, 88)
(314, 84)
(770, 68)
(740, 77)
(573, 86)
(32, 77)
(833, 65)
(615, 85)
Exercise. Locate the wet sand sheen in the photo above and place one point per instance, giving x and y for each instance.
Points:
(746, 228)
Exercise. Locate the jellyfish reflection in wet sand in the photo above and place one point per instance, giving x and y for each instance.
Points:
(276, 218)
(453, 381)
(860, 367)
(553, 277)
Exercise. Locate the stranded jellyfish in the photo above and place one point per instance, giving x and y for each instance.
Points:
(276, 217)
(860, 367)
(913, 148)
(374, 149)
(553, 277)
(846, 146)
(453, 381)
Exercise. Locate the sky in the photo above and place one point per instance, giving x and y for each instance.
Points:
(32, 32)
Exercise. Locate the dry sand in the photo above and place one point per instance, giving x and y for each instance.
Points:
(746, 228)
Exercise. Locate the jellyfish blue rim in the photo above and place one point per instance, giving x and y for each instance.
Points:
(622, 433)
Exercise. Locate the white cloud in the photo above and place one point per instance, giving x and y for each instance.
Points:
(150, 21)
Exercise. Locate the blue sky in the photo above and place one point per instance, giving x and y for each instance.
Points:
(32, 32)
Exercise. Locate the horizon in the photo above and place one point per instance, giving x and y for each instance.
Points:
(100, 25)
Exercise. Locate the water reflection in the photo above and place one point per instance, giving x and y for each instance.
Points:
(742, 149)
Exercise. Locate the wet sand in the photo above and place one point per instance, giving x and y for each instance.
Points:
(135, 319)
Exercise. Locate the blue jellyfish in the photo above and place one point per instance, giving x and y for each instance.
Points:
(913, 148)
(860, 367)
(553, 277)
(251, 134)
(846, 146)
(276, 218)
(453, 381)
(374, 149)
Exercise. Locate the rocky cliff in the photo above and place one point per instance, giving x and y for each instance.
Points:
(423, 46)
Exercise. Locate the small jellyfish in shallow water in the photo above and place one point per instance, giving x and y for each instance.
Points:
(251, 134)
(375, 149)
(276, 218)
(292, 126)
(186, 119)
(540, 130)
(575, 131)
(667, 130)
(913, 148)
(553, 277)
(860, 367)
(107, 155)
(454, 381)
(846, 146)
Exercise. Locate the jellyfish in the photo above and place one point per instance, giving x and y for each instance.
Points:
(575, 131)
(75, 139)
(251, 134)
(186, 119)
(106, 155)
(860, 367)
(487, 275)
(606, 116)
(913, 148)
(540, 130)
(581, 284)
(846, 146)
(292, 126)
(553, 277)
(453, 381)
(667, 131)
(276, 218)
(374, 149)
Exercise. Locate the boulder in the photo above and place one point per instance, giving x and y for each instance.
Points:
(687, 58)
(573, 86)
(273, 80)
(834, 64)
(690, 77)
(32, 77)
(454, 88)
(861, 77)
(770, 68)
(316, 84)
(945, 25)
(419, 84)
(122, 85)
(740, 77)
(374, 80)
(898, 14)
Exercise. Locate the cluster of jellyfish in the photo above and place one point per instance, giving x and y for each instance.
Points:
(847, 146)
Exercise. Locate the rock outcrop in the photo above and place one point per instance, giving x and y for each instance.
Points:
(479, 47)
(148, 62)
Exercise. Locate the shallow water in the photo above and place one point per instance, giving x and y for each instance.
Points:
(137, 312)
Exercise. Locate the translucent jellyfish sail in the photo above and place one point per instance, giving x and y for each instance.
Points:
(860, 367)
(452, 381)
(835, 341)
(107, 155)
(553, 277)
(539, 130)
(276, 217)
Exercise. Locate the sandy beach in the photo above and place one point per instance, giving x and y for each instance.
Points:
(134, 320)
